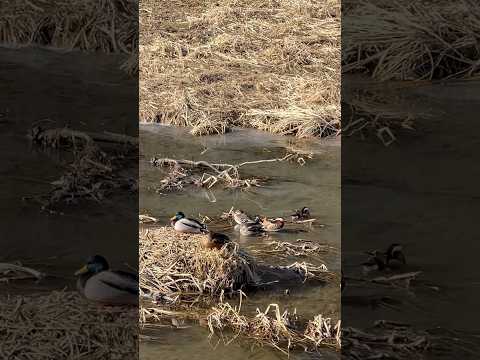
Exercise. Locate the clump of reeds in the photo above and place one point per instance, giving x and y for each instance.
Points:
(62, 325)
(93, 173)
(371, 113)
(385, 340)
(411, 40)
(283, 331)
(174, 264)
(248, 63)
(91, 25)
(182, 173)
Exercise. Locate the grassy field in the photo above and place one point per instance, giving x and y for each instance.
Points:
(264, 64)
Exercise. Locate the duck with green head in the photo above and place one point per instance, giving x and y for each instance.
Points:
(98, 283)
(185, 225)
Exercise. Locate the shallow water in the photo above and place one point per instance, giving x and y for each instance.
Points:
(39, 84)
(290, 186)
(425, 206)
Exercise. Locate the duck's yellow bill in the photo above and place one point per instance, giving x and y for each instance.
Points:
(81, 271)
(173, 218)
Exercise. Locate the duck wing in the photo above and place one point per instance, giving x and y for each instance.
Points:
(120, 280)
(194, 223)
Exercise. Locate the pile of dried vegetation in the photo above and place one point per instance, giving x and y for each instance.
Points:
(269, 65)
(95, 165)
(184, 173)
(174, 266)
(283, 331)
(407, 40)
(62, 325)
(91, 25)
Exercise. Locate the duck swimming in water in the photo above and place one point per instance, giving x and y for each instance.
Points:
(395, 256)
(302, 214)
(250, 229)
(97, 283)
(213, 240)
(271, 225)
(374, 263)
(185, 225)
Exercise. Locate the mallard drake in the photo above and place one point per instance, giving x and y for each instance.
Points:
(213, 240)
(97, 283)
(302, 214)
(273, 224)
(241, 217)
(183, 224)
(250, 229)
(374, 263)
(395, 256)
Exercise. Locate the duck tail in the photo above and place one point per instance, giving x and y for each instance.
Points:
(204, 230)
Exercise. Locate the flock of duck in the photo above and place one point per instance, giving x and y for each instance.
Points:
(98, 283)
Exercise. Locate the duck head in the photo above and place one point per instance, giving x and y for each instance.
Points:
(179, 215)
(305, 211)
(395, 252)
(93, 265)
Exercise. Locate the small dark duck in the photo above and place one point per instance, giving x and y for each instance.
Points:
(301, 214)
(395, 256)
(97, 283)
(272, 225)
(250, 229)
(374, 263)
(213, 240)
(185, 225)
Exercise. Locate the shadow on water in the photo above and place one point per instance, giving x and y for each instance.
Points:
(290, 186)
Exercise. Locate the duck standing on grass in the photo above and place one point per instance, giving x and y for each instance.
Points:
(185, 225)
(97, 283)
(271, 225)
(213, 240)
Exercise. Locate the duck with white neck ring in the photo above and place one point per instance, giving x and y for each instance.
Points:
(98, 283)
(185, 225)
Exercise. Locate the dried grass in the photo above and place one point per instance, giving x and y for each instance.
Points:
(182, 173)
(283, 331)
(175, 266)
(89, 25)
(92, 174)
(62, 325)
(273, 66)
(411, 40)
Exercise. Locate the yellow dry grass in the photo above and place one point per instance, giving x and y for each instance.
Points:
(269, 65)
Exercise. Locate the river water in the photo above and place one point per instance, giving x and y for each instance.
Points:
(290, 186)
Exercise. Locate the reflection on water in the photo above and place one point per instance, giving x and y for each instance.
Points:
(316, 185)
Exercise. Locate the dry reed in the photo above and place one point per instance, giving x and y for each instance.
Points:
(62, 325)
(273, 66)
(411, 40)
(283, 331)
(174, 265)
(90, 25)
